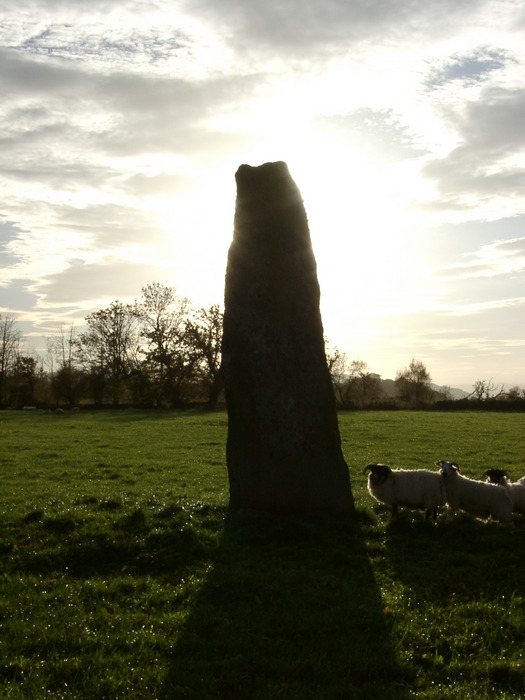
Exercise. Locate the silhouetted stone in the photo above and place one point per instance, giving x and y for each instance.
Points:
(283, 449)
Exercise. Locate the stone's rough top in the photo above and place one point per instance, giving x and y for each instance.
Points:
(262, 179)
(283, 449)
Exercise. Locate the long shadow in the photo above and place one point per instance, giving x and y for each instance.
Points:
(290, 610)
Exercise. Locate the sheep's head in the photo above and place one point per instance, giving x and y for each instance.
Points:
(447, 468)
(495, 476)
(379, 473)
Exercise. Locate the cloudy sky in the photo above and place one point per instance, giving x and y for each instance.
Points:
(402, 123)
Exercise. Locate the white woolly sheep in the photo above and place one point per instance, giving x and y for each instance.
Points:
(475, 497)
(515, 490)
(419, 489)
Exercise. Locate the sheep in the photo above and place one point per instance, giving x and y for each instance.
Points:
(515, 490)
(419, 489)
(475, 497)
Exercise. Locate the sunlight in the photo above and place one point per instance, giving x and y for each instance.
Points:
(358, 224)
(197, 230)
(359, 205)
(357, 208)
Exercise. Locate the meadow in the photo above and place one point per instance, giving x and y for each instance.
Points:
(122, 575)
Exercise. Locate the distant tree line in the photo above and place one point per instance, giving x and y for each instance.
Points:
(155, 352)
(357, 387)
(161, 352)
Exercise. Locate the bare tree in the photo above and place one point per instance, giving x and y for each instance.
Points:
(10, 341)
(485, 389)
(413, 384)
(67, 378)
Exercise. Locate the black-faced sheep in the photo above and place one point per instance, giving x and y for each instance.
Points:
(419, 489)
(516, 490)
(475, 497)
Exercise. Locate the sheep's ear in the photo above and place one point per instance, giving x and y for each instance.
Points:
(456, 467)
(439, 463)
(382, 468)
(368, 466)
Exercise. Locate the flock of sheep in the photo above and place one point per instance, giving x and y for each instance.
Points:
(427, 490)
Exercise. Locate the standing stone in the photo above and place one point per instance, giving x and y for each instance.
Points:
(283, 447)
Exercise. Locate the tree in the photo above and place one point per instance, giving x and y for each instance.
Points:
(10, 341)
(42, 389)
(23, 381)
(485, 389)
(109, 349)
(163, 317)
(204, 336)
(67, 379)
(445, 393)
(516, 393)
(337, 366)
(354, 384)
(363, 386)
(413, 384)
(371, 389)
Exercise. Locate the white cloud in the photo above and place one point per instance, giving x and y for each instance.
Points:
(300, 28)
(498, 258)
(92, 283)
(483, 306)
(485, 172)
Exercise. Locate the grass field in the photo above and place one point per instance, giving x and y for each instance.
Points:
(122, 577)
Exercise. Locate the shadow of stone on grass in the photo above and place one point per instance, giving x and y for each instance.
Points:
(290, 610)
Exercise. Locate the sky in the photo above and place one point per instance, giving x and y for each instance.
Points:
(402, 123)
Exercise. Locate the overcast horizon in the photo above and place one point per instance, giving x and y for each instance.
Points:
(401, 124)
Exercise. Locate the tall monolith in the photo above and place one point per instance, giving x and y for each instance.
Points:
(283, 447)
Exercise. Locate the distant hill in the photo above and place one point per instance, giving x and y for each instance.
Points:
(454, 393)
(389, 388)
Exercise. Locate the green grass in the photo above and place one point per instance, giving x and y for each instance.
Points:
(122, 577)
